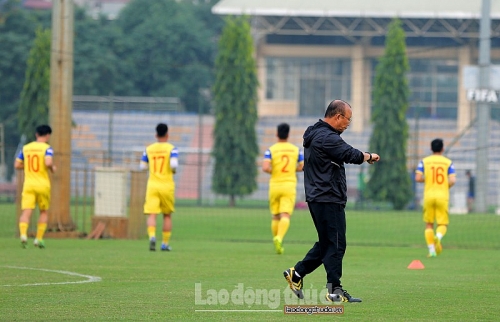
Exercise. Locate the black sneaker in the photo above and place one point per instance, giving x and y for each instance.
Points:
(152, 244)
(341, 295)
(295, 282)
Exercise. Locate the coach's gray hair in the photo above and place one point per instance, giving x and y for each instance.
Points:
(336, 107)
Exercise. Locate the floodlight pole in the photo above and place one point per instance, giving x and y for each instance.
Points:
(483, 111)
(60, 110)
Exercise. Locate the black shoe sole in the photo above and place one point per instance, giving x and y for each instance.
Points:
(288, 278)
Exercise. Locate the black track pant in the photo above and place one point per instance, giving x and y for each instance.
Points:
(329, 250)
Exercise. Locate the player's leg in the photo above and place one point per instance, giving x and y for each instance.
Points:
(41, 228)
(429, 218)
(286, 204)
(28, 203)
(167, 205)
(274, 206)
(167, 232)
(278, 239)
(442, 220)
(151, 223)
(43, 200)
(151, 209)
(275, 221)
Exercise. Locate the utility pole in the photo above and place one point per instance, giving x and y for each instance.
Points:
(60, 110)
(3, 166)
(483, 111)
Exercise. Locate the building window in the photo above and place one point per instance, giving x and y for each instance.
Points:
(433, 88)
(312, 82)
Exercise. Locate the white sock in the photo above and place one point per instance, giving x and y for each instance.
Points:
(439, 236)
(431, 248)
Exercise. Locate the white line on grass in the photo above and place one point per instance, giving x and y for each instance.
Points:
(89, 278)
(238, 310)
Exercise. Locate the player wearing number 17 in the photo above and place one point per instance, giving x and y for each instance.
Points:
(282, 160)
(36, 160)
(438, 174)
(162, 159)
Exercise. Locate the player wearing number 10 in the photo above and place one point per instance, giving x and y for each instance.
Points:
(438, 174)
(162, 159)
(35, 159)
(282, 160)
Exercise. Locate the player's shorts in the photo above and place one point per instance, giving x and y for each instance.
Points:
(33, 195)
(436, 210)
(159, 201)
(282, 199)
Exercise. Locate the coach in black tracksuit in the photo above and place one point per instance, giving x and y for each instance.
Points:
(325, 153)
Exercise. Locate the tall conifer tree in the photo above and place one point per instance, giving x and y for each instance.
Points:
(390, 178)
(235, 96)
(34, 104)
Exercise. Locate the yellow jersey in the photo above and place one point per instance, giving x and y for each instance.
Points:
(33, 158)
(284, 158)
(436, 170)
(158, 156)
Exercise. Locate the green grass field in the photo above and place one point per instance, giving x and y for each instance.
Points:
(221, 251)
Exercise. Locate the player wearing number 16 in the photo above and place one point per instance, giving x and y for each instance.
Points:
(36, 160)
(162, 159)
(438, 174)
(282, 160)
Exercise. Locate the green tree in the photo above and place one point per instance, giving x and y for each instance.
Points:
(167, 49)
(34, 104)
(235, 97)
(17, 32)
(96, 64)
(389, 178)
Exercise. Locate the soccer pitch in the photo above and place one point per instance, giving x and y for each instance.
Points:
(223, 267)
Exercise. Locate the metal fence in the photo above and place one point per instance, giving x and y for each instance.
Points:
(114, 131)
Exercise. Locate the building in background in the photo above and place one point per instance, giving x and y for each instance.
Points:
(95, 8)
(309, 52)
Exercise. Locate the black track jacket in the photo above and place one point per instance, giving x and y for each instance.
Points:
(325, 153)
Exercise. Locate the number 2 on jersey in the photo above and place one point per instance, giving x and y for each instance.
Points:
(285, 158)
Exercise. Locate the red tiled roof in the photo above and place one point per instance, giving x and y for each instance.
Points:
(38, 4)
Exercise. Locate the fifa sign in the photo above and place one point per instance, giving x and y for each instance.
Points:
(482, 95)
(471, 84)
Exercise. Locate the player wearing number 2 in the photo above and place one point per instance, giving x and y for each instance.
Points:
(438, 174)
(162, 159)
(282, 160)
(36, 160)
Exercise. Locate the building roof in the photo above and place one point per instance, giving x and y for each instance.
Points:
(37, 4)
(447, 9)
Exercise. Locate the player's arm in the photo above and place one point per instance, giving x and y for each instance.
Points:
(174, 160)
(19, 163)
(266, 163)
(49, 163)
(452, 180)
(143, 164)
(300, 162)
(419, 172)
(452, 176)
